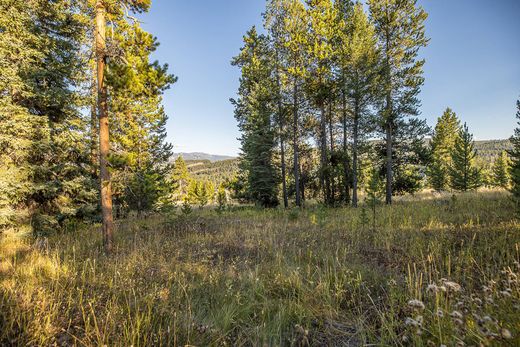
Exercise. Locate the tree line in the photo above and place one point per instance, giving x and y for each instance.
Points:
(329, 94)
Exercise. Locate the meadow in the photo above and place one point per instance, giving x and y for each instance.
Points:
(431, 270)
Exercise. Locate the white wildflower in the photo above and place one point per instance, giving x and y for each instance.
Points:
(439, 313)
(456, 314)
(416, 304)
(452, 286)
(506, 334)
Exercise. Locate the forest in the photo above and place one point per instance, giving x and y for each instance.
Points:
(346, 220)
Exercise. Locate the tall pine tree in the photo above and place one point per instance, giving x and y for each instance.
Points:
(254, 110)
(442, 143)
(464, 175)
(402, 71)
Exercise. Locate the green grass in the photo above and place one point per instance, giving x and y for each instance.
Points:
(273, 277)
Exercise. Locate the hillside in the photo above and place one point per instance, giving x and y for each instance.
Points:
(216, 172)
(200, 156)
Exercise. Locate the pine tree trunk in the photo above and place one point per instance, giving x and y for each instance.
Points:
(104, 144)
(295, 144)
(389, 163)
(355, 139)
(331, 176)
(346, 166)
(282, 147)
(284, 175)
(324, 181)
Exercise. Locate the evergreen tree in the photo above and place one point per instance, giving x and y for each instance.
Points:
(44, 170)
(442, 143)
(358, 61)
(402, 78)
(464, 175)
(274, 18)
(140, 155)
(322, 33)
(295, 42)
(515, 159)
(254, 111)
(501, 167)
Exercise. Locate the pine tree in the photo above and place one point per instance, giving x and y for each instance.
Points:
(140, 154)
(358, 60)
(43, 133)
(464, 175)
(515, 160)
(402, 78)
(442, 143)
(374, 193)
(322, 33)
(254, 110)
(501, 168)
(295, 42)
(274, 18)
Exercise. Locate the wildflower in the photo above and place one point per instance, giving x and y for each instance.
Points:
(432, 288)
(456, 315)
(506, 334)
(411, 322)
(505, 293)
(458, 321)
(416, 304)
(439, 313)
(452, 286)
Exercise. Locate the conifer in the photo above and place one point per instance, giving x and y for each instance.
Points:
(464, 175)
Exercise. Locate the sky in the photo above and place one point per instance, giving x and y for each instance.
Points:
(472, 66)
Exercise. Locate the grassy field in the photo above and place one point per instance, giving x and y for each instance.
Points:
(434, 271)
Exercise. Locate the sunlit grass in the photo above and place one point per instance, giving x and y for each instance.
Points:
(255, 277)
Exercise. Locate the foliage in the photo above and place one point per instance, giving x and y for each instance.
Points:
(464, 175)
(515, 159)
(442, 143)
(253, 111)
(501, 168)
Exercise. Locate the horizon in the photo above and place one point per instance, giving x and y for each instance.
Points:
(471, 68)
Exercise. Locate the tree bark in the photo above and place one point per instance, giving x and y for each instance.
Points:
(331, 138)
(295, 144)
(389, 162)
(324, 181)
(346, 164)
(104, 144)
(282, 147)
(355, 136)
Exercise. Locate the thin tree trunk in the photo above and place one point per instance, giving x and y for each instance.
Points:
(355, 136)
(389, 163)
(295, 144)
(331, 176)
(93, 128)
(324, 181)
(104, 144)
(282, 147)
(346, 164)
(388, 123)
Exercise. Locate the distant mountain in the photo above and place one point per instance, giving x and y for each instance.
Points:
(199, 156)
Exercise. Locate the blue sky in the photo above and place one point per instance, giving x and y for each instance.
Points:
(472, 65)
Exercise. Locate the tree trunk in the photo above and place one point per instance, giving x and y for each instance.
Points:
(104, 144)
(324, 181)
(93, 128)
(346, 164)
(295, 144)
(355, 136)
(331, 139)
(282, 147)
(389, 171)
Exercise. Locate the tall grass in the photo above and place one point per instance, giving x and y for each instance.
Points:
(434, 271)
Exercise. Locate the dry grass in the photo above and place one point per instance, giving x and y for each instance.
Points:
(251, 277)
